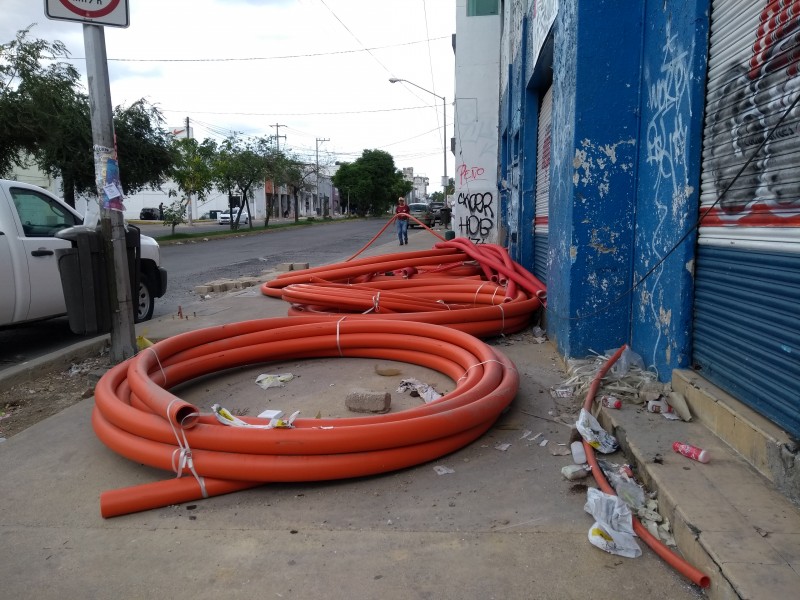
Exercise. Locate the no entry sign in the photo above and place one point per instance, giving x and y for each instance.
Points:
(113, 13)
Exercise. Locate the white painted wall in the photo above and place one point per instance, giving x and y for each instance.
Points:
(476, 207)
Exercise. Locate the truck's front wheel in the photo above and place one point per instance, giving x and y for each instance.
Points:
(145, 300)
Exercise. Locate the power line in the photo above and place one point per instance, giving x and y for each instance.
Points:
(255, 58)
(355, 38)
(254, 114)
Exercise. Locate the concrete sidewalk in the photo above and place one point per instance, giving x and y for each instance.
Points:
(504, 525)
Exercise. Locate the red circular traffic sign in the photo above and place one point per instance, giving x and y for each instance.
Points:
(90, 13)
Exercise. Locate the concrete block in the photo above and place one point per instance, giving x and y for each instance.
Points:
(285, 267)
(202, 290)
(361, 400)
(299, 266)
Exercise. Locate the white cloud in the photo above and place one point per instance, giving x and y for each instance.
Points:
(314, 76)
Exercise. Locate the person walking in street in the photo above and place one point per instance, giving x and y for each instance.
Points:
(402, 211)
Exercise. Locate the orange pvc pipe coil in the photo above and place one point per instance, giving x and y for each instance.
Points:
(430, 284)
(138, 417)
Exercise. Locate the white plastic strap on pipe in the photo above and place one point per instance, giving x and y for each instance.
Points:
(478, 291)
(182, 456)
(338, 345)
(491, 360)
(158, 360)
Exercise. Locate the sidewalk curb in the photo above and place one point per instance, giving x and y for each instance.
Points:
(54, 361)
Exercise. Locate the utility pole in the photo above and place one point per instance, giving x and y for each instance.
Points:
(275, 195)
(278, 137)
(109, 192)
(325, 210)
(189, 213)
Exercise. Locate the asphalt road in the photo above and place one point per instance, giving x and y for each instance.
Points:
(202, 260)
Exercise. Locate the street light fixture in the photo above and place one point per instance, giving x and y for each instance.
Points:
(444, 128)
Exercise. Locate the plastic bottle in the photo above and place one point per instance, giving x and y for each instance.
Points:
(611, 402)
(692, 452)
(578, 453)
(658, 406)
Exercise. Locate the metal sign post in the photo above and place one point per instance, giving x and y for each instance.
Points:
(109, 190)
(94, 14)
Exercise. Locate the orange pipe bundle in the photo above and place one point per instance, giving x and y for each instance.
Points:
(473, 288)
(137, 416)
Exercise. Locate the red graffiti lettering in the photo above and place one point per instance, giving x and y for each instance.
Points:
(466, 174)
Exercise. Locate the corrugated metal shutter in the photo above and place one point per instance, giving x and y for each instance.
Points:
(747, 274)
(540, 219)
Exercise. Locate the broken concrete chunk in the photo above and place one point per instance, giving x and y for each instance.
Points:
(360, 400)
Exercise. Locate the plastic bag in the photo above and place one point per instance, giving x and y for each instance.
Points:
(613, 527)
(594, 434)
(267, 380)
(625, 487)
(625, 362)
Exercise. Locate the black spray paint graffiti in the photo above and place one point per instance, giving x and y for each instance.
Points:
(479, 222)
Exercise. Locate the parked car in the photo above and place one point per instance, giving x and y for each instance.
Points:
(149, 214)
(418, 210)
(30, 218)
(224, 218)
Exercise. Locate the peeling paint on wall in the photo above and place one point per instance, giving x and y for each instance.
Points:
(604, 158)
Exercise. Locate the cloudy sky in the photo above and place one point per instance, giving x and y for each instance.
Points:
(318, 68)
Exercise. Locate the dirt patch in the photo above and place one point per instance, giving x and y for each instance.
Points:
(29, 402)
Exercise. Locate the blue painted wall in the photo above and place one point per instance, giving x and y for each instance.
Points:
(673, 97)
(596, 79)
(628, 97)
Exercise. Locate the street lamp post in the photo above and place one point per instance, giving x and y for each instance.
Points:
(444, 129)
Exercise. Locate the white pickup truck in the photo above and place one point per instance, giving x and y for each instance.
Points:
(30, 284)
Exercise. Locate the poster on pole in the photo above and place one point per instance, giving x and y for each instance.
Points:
(113, 13)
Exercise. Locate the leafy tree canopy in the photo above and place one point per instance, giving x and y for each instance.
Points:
(243, 165)
(45, 119)
(372, 181)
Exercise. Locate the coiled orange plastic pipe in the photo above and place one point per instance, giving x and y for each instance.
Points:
(473, 288)
(138, 417)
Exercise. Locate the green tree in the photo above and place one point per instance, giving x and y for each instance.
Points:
(373, 181)
(45, 119)
(36, 101)
(297, 176)
(451, 188)
(174, 214)
(192, 169)
(144, 147)
(243, 165)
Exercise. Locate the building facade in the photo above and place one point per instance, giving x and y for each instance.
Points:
(646, 169)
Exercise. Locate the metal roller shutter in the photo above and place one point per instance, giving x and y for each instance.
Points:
(540, 219)
(747, 273)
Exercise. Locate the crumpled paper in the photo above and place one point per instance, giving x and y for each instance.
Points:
(613, 527)
(425, 391)
(266, 380)
(594, 434)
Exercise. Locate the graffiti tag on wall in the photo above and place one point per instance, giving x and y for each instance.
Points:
(476, 221)
(742, 111)
(468, 174)
(666, 131)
